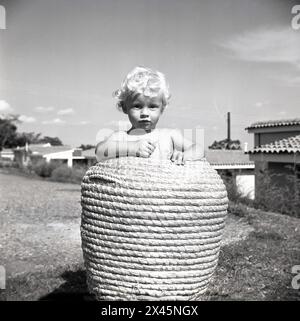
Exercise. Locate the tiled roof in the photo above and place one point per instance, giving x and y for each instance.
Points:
(275, 123)
(40, 149)
(7, 150)
(227, 157)
(49, 150)
(287, 145)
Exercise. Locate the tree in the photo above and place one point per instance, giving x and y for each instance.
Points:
(226, 144)
(10, 138)
(87, 146)
(8, 131)
(29, 138)
(54, 141)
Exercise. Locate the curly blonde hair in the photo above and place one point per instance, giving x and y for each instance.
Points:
(145, 81)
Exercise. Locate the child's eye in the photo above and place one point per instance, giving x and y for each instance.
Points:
(136, 106)
(153, 106)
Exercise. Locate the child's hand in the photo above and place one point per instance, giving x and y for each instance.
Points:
(144, 148)
(178, 157)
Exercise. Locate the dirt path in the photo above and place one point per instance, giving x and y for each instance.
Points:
(39, 224)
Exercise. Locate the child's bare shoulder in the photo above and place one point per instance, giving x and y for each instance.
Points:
(118, 135)
(112, 136)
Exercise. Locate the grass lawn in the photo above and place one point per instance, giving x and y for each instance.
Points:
(257, 268)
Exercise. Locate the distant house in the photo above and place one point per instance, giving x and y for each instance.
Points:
(277, 149)
(33, 153)
(235, 164)
(7, 154)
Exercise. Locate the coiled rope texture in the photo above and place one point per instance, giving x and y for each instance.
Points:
(151, 229)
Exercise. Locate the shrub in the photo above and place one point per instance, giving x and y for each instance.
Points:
(64, 173)
(232, 191)
(43, 169)
(238, 209)
(4, 163)
(271, 196)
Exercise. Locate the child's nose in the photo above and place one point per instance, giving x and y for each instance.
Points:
(144, 112)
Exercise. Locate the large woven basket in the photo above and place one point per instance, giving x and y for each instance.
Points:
(151, 230)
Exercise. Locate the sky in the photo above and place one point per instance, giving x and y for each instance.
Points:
(60, 61)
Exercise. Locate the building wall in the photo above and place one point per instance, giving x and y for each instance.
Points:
(260, 168)
(87, 162)
(7, 155)
(267, 138)
(21, 158)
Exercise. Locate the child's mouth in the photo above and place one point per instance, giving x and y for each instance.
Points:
(145, 122)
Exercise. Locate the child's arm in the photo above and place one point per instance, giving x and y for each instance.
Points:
(184, 149)
(111, 147)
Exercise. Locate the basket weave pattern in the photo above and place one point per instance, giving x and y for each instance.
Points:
(151, 230)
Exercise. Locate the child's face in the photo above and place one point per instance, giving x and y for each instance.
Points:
(144, 112)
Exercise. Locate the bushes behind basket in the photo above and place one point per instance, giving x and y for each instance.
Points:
(63, 173)
(58, 172)
(269, 196)
(42, 168)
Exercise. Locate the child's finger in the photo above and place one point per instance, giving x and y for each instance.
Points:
(153, 143)
(153, 146)
(180, 159)
(150, 147)
(173, 157)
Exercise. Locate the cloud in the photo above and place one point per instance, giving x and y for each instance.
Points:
(282, 113)
(261, 103)
(79, 123)
(258, 104)
(269, 46)
(27, 119)
(67, 111)
(42, 109)
(53, 121)
(289, 80)
(119, 124)
(84, 122)
(4, 106)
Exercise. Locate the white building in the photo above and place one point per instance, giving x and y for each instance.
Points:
(65, 154)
